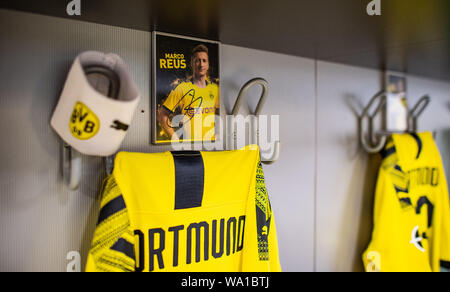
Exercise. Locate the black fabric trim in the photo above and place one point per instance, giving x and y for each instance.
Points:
(167, 109)
(406, 201)
(397, 167)
(124, 247)
(189, 179)
(388, 152)
(116, 205)
(419, 144)
(424, 201)
(445, 264)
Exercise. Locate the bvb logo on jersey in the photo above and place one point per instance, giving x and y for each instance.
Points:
(84, 123)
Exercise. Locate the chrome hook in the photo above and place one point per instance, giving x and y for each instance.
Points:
(372, 146)
(417, 111)
(71, 167)
(243, 92)
(254, 138)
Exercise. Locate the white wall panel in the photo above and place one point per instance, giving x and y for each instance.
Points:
(345, 174)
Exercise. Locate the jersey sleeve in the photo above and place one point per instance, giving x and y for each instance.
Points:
(174, 100)
(112, 248)
(260, 239)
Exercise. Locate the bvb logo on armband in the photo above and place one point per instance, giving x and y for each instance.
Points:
(84, 124)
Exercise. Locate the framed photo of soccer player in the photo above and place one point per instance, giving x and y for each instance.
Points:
(186, 88)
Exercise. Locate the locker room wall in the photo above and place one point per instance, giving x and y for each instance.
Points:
(42, 221)
(321, 188)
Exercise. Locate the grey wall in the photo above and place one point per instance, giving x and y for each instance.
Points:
(345, 173)
(290, 181)
(321, 188)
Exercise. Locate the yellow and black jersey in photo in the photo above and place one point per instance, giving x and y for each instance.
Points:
(186, 211)
(197, 106)
(412, 211)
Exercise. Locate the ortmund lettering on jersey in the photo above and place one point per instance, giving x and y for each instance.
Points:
(202, 238)
(405, 181)
(424, 176)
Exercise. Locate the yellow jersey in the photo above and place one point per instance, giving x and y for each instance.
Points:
(197, 108)
(412, 212)
(185, 212)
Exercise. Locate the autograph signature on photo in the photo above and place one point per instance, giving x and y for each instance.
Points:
(189, 108)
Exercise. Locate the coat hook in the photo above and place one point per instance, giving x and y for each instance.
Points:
(254, 137)
(372, 146)
(71, 167)
(417, 111)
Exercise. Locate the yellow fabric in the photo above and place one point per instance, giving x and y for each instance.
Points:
(103, 257)
(411, 214)
(198, 106)
(232, 231)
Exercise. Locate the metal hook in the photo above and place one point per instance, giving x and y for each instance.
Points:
(254, 138)
(243, 92)
(71, 167)
(72, 158)
(417, 111)
(372, 146)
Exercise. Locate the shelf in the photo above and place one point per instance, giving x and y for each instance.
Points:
(411, 36)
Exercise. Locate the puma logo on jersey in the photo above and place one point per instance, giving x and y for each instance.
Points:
(416, 239)
(265, 231)
(120, 126)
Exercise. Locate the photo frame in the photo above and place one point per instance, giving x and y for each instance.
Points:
(396, 102)
(185, 89)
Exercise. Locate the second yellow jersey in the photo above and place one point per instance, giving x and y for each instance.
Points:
(198, 108)
(412, 212)
(186, 211)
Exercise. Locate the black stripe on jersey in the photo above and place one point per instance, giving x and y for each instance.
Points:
(116, 205)
(400, 190)
(445, 264)
(189, 179)
(397, 167)
(419, 144)
(387, 152)
(124, 247)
